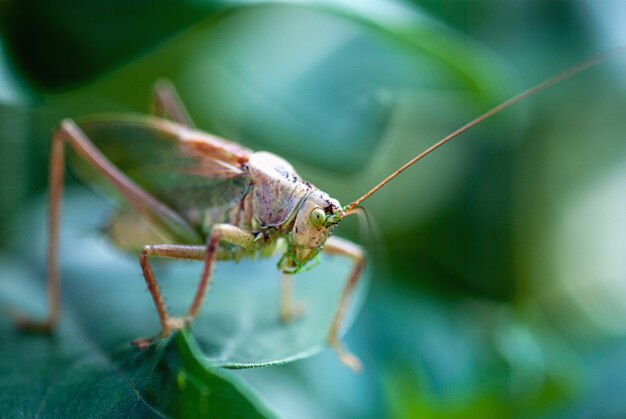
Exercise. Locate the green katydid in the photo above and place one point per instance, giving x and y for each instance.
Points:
(193, 196)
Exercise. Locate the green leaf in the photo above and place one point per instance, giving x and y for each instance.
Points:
(13, 89)
(66, 377)
(238, 325)
(347, 92)
(69, 374)
(459, 358)
(15, 127)
(62, 42)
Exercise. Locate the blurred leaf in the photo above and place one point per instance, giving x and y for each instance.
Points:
(433, 357)
(13, 90)
(605, 382)
(75, 41)
(62, 42)
(15, 127)
(238, 326)
(572, 215)
(69, 375)
(256, 77)
(13, 160)
(468, 358)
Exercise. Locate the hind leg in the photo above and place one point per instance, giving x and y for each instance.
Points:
(139, 200)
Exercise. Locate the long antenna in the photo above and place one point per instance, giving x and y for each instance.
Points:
(597, 59)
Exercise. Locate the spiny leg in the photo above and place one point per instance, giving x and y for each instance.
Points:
(166, 103)
(141, 201)
(289, 309)
(165, 251)
(341, 247)
(219, 232)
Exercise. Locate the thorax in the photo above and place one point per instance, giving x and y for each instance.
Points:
(267, 210)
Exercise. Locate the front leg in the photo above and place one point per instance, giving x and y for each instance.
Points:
(220, 232)
(139, 200)
(341, 247)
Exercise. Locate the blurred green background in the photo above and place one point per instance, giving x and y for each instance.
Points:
(498, 263)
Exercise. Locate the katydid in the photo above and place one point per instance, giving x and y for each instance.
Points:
(194, 196)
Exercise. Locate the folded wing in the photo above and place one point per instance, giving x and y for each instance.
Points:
(188, 170)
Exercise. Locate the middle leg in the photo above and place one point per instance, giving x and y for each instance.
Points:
(171, 252)
(167, 104)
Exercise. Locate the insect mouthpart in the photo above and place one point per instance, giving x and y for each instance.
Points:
(333, 219)
(295, 259)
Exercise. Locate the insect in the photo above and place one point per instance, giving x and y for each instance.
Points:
(193, 196)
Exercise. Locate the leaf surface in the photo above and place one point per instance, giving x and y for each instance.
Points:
(70, 375)
(89, 367)
(238, 325)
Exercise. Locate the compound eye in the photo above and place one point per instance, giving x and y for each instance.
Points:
(317, 217)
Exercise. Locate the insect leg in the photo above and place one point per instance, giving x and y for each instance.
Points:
(139, 200)
(172, 252)
(54, 209)
(341, 247)
(220, 232)
(208, 253)
(289, 309)
(167, 103)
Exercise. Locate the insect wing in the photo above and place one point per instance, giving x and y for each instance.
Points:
(187, 170)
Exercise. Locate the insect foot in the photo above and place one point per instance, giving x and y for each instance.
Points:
(26, 325)
(142, 344)
(348, 359)
(173, 324)
(176, 323)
